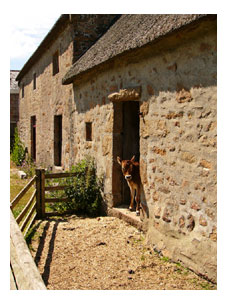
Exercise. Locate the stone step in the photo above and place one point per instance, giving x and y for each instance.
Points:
(128, 216)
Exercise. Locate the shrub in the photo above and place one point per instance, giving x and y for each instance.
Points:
(18, 151)
(83, 190)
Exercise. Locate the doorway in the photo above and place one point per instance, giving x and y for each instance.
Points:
(33, 137)
(125, 145)
(57, 140)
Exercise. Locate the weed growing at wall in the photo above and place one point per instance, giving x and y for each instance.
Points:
(18, 151)
(83, 191)
(29, 166)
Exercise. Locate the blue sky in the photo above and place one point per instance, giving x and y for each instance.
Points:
(26, 34)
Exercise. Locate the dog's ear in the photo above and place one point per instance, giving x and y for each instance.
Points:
(133, 158)
(119, 160)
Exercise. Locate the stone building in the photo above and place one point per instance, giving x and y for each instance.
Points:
(45, 110)
(14, 104)
(147, 87)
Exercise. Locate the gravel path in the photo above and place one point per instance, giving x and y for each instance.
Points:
(104, 253)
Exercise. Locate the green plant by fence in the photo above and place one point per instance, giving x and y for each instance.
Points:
(80, 192)
(80, 188)
(35, 207)
(41, 197)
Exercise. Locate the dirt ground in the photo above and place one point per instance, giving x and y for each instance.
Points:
(104, 253)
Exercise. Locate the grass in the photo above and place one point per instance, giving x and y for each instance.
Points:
(207, 286)
(16, 185)
(165, 259)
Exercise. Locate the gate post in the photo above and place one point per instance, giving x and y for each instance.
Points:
(40, 194)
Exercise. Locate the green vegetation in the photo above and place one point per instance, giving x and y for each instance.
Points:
(165, 259)
(18, 150)
(207, 285)
(143, 257)
(28, 166)
(82, 191)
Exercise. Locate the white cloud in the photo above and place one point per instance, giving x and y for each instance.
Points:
(27, 32)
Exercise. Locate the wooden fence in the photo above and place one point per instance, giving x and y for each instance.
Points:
(23, 271)
(27, 216)
(41, 189)
(36, 206)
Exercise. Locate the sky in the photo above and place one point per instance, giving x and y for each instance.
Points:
(29, 23)
(26, 34)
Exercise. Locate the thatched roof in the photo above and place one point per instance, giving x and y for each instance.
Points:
(128, 33)
(14, 89)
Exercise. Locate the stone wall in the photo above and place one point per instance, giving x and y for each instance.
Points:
(177, 81)
(92, 107)
(14, 115)
(48, 99)
(177, 140)
(14, 107)
(87, 28)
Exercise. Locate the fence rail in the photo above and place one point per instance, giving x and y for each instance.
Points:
(42, 189)
(23, 271)
(60, 175)
(36, 206)
(26, 217)
(16, 200)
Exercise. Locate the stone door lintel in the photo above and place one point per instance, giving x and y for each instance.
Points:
(133, 93)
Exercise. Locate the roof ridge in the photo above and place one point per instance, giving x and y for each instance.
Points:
(129, 32)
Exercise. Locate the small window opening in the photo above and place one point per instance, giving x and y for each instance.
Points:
(57, 140)
(34, 81)
(55, 63)
(88, 131)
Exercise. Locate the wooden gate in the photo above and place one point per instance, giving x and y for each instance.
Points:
(41, 188)
(23, 271)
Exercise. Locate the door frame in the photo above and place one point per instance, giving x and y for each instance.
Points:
(33, 137)
(118, 134)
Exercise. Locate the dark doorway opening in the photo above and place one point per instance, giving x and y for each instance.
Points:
(13, 126)
(130, 140)
(33, 137)
(57, 140)
(125, 145)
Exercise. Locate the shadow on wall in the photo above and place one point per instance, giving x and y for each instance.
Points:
(144, 206)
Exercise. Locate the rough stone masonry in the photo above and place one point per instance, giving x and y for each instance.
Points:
(176, 78)
(178, 141)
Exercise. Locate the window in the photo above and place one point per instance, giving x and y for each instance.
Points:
(57, 140)
(23, 91)
(55, 63)
(34, 81)
(88, 131)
